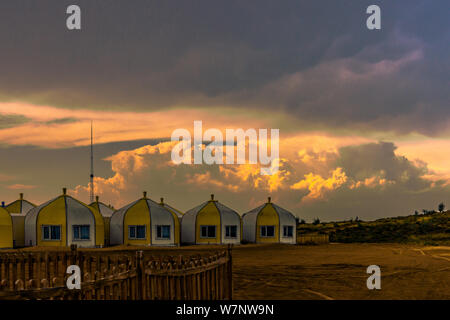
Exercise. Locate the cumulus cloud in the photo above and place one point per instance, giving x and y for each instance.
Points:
(379, 160)
(318, 186)
(367, 177)
(151, 168)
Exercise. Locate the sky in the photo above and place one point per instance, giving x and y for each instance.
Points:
(363, 114)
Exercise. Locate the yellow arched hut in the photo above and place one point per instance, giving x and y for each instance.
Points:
(20, 206)
(145, 222)
(211, 223)
(18, 210)
(269, 223)
(6, 229)
(64, 221)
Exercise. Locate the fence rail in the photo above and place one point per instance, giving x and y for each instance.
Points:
(313, 239)
(119, 275)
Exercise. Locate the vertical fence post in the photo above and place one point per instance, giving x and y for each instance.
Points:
(207, 278)
(72, 260)
(73, 253)
(230, 272)
(139, 276)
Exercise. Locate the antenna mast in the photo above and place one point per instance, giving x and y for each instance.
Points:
(92, 165)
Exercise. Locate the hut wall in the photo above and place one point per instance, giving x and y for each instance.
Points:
(208, 216)
(77, 214)
(18, 230)
(268, 217)
(161, 217)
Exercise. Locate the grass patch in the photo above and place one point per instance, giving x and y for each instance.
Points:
(427, 229)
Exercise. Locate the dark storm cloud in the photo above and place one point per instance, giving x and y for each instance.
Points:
(306, 58)
(11, 120)
(379, 159)
(62, 121)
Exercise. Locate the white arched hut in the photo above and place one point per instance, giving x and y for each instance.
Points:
(211, 223)
(18, 210)
(64, 221)
(269, 223)
(145, 222)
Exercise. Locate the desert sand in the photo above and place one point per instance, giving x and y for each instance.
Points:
(338, 271)
(331, 271)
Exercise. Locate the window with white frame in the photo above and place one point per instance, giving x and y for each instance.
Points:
(207, 231)
(137, 232)
(231, 232)
(81, 232)
(267, 231)
(51, 232)
(163, 232)
(288, 231)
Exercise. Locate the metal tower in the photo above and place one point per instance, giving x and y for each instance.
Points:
(92, 165)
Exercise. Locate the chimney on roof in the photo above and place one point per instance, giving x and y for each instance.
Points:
(145, 194)
(96, 198)
(64, 191)
(269, 199)
(21, 196)
(162, 200)
(212, 197)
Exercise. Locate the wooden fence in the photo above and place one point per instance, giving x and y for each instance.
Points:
(307, 239)
(121, 275)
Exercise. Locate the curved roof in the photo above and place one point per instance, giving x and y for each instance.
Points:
(221, 208)
(211, 212)
(105, 211)
(5, 216)
(155, 210)
(282, 213)
(62, 202)
(20, 206)
(152, 206)
(171, 209)
(32, 214)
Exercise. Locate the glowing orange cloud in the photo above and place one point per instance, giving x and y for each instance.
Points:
(44, 131)
(20, 187)
(307, 159)
(435, 152)
(318, 186)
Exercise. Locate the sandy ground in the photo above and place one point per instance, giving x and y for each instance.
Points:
(338, 271)
(333, 271)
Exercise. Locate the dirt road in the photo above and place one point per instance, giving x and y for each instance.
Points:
(338, 271)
